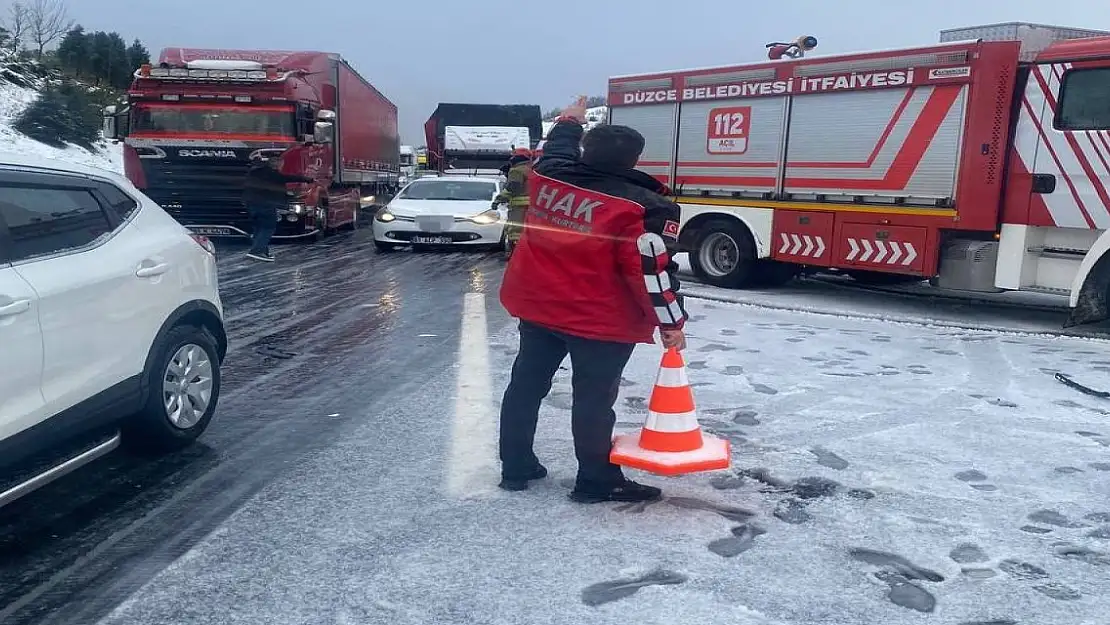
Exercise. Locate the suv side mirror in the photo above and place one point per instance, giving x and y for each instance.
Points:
(323, 132)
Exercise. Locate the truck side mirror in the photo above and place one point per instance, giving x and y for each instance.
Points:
(323, 132)
(325, 116)
(115, 123)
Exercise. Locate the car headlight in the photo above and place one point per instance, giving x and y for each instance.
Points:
(385, 216)
(489, 217)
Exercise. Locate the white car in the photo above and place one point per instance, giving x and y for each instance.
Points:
(111, 326)
(445, 210)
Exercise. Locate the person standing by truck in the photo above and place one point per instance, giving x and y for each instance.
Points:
(592, 277)
(515, 194)
(264, 195)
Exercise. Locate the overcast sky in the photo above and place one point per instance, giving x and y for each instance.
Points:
(536, 52)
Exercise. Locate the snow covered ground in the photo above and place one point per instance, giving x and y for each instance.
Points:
(894, 473)
(13, 100)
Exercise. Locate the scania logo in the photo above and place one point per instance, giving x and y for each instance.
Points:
(206, 153)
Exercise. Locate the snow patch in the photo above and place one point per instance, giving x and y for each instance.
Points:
(13, 100)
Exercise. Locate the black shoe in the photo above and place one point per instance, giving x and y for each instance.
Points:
(518, 483)
(264, 257)
(627, 491)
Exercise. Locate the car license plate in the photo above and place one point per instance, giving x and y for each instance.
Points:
(432, 240)
(214, 232)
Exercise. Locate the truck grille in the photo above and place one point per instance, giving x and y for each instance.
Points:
(198, 193)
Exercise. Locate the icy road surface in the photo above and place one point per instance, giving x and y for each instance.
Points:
(885, 473)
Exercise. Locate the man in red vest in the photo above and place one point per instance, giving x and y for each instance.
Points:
(591, 277)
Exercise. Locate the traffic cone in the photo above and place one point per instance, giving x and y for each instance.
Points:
(671, 441)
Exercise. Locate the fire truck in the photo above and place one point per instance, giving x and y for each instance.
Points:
(194, 122)
(981, 163)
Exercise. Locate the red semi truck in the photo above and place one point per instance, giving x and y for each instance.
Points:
(194, 121)
(981, 163)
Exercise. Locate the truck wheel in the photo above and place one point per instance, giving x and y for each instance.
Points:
(183, 384)
(323, 232)
(724, 255)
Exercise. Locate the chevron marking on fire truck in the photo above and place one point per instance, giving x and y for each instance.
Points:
(792, 244)
(881, 252)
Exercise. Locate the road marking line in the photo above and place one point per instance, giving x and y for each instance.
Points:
(472, 464)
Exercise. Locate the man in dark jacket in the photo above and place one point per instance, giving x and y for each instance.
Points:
(264, 195)
(592, 276)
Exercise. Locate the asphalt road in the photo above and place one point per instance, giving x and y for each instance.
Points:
(350, 456)
(327, 331)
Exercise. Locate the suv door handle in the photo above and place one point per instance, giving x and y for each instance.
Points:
(153, 270)
(17, 307)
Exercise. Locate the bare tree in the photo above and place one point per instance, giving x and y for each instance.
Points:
(18, 23)
(49, 20)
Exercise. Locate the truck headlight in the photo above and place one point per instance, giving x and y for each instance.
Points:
(297, 209)
(385, 216)
(489, 217)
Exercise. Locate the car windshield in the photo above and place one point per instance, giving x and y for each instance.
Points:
(441, 189)
(271, 121)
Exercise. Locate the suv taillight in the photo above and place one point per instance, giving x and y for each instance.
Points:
(204, 242)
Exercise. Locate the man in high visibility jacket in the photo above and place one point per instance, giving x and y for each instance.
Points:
(515, 194)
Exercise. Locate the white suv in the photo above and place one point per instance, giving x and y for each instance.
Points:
(111, 327)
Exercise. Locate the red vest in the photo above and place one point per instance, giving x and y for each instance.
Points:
(577, 268)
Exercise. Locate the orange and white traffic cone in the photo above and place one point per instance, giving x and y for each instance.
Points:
(671, 441)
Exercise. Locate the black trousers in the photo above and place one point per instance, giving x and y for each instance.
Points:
(596, 373)
(264, 219)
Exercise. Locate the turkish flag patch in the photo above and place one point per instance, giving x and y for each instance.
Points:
(670, 229)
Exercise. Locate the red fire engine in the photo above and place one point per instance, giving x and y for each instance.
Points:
(981, 163)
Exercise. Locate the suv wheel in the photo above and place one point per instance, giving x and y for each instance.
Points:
(183, 390)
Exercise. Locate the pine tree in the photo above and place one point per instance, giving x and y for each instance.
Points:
(62, 114)
(100, 56)
(119, 66)
(137, 54)
(73, 52)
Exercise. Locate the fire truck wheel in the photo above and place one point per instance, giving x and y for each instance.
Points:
(724, 255)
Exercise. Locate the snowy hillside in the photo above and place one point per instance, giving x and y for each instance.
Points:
(15, 98)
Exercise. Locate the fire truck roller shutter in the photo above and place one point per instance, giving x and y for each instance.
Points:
(881, 144)
(730, 146)
(656, 123)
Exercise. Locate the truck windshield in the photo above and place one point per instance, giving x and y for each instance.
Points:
(440, 189)
(177, 119)
(406, 160)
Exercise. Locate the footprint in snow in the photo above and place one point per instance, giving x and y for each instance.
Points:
(828, 459)
(636, 403)
(976, 480)
(697, 365)
(1096, 437)
(764, 389)
(716, 347)
(615, 590)
(900, 574)
(727, 332)
(742, 539)
(1055, 519)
